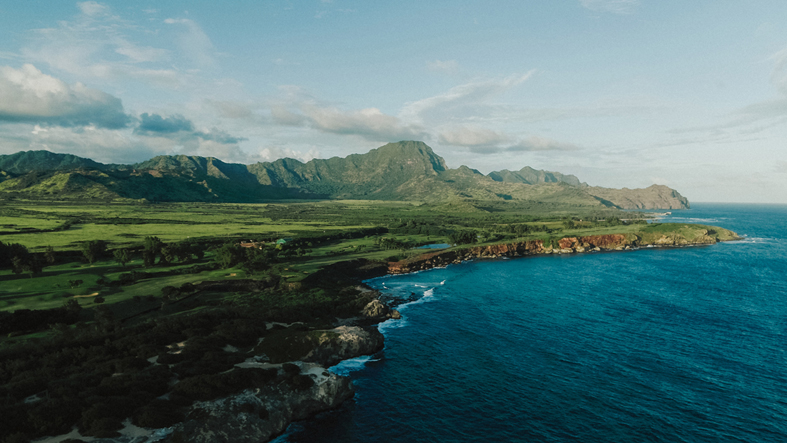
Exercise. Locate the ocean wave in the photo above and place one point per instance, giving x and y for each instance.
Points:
(389, 324)
(693, 219)
(757, 240)
(344, 367)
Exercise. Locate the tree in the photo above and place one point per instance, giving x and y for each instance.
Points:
(170, 252)
(72, 305)
(229, 255)
(10, 250)
(94, 250)
(33, 265)
(18, 265)
(121, 256)
(152, 248)
(152, 244)
(49, 255)
(148, 258)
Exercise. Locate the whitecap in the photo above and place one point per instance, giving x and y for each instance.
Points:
(344, 367)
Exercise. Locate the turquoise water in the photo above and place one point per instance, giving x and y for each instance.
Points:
(664, 345)
(435, 246)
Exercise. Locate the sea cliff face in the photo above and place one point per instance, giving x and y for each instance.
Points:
(303, 386)
(565, 245)
(258, 415)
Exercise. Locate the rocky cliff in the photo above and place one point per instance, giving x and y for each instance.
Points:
(683, 236)
(302, 387)
(652, 197)
(258, 415)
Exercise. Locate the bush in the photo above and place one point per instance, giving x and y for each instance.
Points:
(170, 291)
(301, 382)
(291, 369)
(157, 414)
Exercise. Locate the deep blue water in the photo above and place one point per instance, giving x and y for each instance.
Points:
(667, 345)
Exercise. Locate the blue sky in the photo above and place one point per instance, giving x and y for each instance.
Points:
(621, 93)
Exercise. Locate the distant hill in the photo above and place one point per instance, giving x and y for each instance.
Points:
(532, 176)
(652, 197)
(407, 170)
(29, 161)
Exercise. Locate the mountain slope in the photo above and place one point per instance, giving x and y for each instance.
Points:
(652, 197)
(532, 176)
(28, 161)
(374, 175)
(407, 170)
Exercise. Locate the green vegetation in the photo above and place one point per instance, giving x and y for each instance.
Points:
(103, 304)
(407, 170)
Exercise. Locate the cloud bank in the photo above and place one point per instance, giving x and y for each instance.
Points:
(28, 95)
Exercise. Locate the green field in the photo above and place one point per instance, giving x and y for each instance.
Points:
(66, 226)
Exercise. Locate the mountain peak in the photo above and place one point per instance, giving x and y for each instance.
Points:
(23, 162)
(532, 176)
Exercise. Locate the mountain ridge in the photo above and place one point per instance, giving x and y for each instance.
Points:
(406, 170)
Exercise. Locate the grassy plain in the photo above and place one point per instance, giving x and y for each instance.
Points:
(66, 226)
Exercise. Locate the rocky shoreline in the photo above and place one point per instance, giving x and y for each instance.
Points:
(302, 384)
(307, 387)
(331, 390)
(565, 245)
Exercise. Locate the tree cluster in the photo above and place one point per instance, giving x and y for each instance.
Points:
(20, 260)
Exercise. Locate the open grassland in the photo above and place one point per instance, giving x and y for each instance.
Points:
(325, 226)
(326, 232)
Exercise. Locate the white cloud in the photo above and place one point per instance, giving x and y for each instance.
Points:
(194, 42)
(471, 136)
(93, 9)
(98, 44)
(460, 100)
(485, 141)
(102, 145)
(302, 109)
(613, 6)
(274, 153)
(28, 95)
(369, 123)
(443, 66)
(535, 143)
(779, 73)
(528, 144)
(140, 54)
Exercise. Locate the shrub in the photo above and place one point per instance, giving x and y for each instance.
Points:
(157, 414)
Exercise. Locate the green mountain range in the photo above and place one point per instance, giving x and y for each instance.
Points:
(407, 170)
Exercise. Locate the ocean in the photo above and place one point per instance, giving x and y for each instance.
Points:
(670, 345)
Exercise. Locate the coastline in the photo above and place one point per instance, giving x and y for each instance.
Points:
(361, 270)
(264, 413)
(565, 245)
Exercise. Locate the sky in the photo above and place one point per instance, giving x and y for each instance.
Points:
(620, 93)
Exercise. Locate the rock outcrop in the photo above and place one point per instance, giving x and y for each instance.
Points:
(257, 415)
(377, 311)
(302, 386)
(335, 345)
(565, 245)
